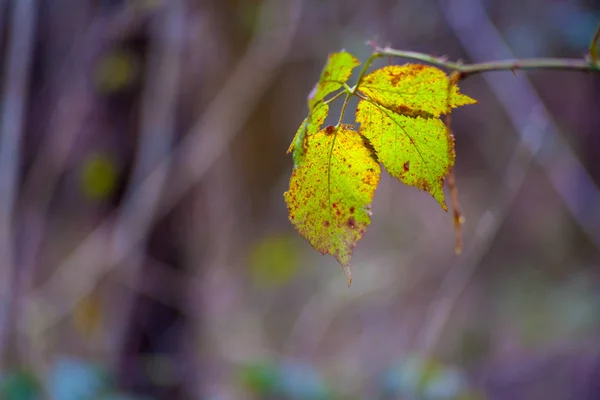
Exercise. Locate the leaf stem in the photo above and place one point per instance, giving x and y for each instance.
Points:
(365, 67)
(339, 94)
(363, 71)
(458, 217)
(502, 65)
(348, 95)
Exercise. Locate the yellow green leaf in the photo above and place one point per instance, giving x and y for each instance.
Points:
(316, 118)
(400, 116)
(331, 191)
(418, 151)
(336, 72)
(413, 90)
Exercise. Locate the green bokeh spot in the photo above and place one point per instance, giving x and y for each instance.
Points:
(274, 261)
(98, 176)
(115, 71)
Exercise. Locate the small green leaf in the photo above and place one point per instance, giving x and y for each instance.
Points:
(412, 90)
(335, 74)
(331, 191)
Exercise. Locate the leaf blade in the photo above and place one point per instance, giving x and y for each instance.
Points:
(311, 125)
(330, 192)
(336, 72)
(413, 89)
(416, 150)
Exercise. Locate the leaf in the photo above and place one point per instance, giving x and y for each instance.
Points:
(401, 119)
(331, 191)
(336, 72)
(298, 145)
(413, 90)
(418, 151)
(336, 170)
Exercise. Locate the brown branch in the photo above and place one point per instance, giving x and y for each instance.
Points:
(465, 70)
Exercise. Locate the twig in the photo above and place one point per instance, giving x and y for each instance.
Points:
(14, 98)
(465, 70)
(457, 216)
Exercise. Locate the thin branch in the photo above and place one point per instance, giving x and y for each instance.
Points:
(458, 217)
(465, 70)
(338, 95)
(348, 95)
(364, 69)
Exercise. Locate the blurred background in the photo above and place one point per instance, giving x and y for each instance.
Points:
(145, 249)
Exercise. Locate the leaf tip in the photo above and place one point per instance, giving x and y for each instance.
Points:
(443, 204)
(437, 193)
(459, 99)
(348, 273)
